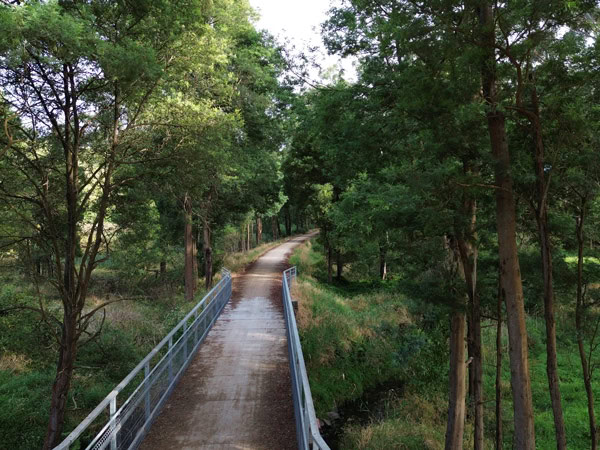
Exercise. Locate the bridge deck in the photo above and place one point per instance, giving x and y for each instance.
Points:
(236, 394)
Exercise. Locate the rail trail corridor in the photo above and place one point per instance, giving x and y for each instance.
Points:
(236, 394)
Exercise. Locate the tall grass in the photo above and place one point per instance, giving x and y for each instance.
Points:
(357, 335)
(28, 352)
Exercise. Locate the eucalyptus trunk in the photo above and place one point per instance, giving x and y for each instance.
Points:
(524, 437)
(274, 228)
(207, 249)
(189, 275)
(579, 319)
(541, 215)
(195, 239)
(468, 252)
(457, 386)
(382, 262)
(499, 439)
(248, 246)
(259, 230)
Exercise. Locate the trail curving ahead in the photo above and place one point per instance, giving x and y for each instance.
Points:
(236, 393)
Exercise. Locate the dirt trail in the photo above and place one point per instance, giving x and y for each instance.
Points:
(236, 394)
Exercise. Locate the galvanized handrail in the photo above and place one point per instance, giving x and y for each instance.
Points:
(129, 422)
(307, 429)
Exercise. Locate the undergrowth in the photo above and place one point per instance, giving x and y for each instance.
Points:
(359, 335)
(28, 348)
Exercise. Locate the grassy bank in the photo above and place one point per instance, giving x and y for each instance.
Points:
(357, 336)
(28, 349)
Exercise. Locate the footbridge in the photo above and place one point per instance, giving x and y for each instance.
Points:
(230, 375)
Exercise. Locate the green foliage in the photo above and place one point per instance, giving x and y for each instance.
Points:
(27, 359)
(572, 390)
(356, 337)
(25, 404)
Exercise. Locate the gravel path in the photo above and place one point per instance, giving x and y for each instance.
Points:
(236, 394)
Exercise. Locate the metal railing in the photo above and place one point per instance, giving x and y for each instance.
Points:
(128, 422)
(307, 429)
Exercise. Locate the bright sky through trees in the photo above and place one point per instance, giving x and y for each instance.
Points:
(300, 23)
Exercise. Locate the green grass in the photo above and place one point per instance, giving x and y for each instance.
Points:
(354, 338)
(357, 336)
(28, 350)
(586, 259)
(28, 353)
(571, 384)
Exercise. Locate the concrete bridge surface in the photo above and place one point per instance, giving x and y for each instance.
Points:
(236, 393)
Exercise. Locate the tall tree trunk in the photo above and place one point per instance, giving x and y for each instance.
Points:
(71, 294)
(468, 252)
(458, 368)
(513, 289)
(541, 215)
(248, 237)
(339, 264)
(189, 275)
(499, 442)
(524, 437)
(243, 238)
(383, 250)
(259, 230)
(195, 236)
(279, 233)
(163, 267)
(62, 382)
(579, 311)
(551, 359)
(457, 386)
(207, 248)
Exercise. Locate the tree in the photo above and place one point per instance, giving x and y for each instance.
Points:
(80, 76)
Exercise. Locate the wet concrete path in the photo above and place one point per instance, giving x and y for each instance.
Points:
(236, 394)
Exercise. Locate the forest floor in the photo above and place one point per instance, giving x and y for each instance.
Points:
(378, 366)
(151, 308)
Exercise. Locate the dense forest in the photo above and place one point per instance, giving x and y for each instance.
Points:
(455, 184)
(463, 168)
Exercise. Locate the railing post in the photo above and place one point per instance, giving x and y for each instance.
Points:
(147, 386)
(170, 360)
(184, 341)
(113, 411)
(307, 431)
